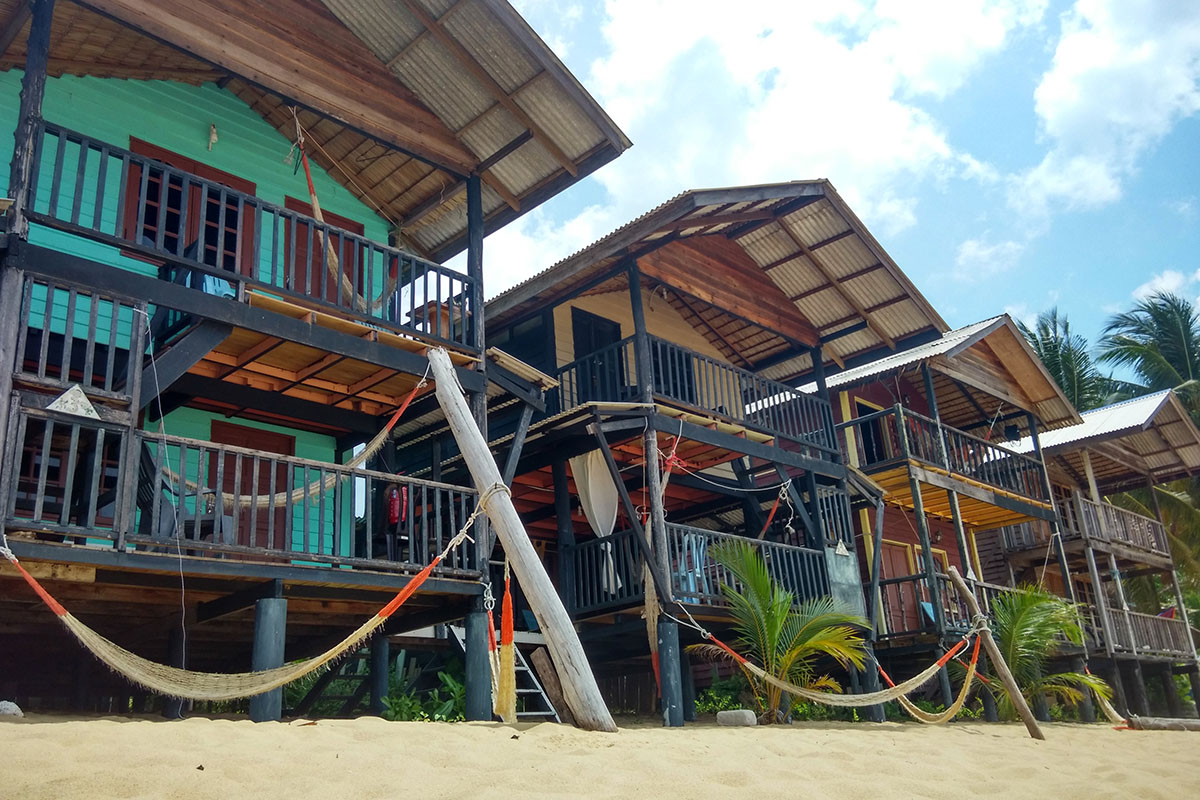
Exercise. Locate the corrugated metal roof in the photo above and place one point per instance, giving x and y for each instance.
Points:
(913, 355)
(1103, 423)
(422, 42)
(801, 234)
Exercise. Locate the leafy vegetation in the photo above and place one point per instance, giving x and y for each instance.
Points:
(786, 641)
(1028, 625)
(446, 703)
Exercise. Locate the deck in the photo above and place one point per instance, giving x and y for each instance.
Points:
(996, 486)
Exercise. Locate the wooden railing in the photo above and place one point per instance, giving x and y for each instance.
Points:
(1112, 524)
(95, 480)
(229, 241)
(1081, 518)
(906, 609)
(608, 570)
(691, 380)
(1151, 635)
(889, 437)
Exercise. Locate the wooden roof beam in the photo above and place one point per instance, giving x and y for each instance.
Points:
(833, 281)
(715, 219)
(733, 350)
(489, 83)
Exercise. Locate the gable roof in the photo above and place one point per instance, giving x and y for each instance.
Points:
(983, 370)
(801, 234)
(1150, 436)
(402, 98)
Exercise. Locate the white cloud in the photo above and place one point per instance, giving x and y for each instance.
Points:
(1122, 75)
(779, 90)
(1169, 280)
(1021, 313)
(979, 258)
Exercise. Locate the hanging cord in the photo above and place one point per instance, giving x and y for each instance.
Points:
(301, 140)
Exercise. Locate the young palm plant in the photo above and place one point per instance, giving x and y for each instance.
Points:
(786, 641)
(1028, 625)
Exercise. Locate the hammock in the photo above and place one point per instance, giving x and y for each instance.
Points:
(191, 685)
(895, 692)
(320, 485)
(929, 718)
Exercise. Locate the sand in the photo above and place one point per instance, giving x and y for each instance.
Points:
(45, 756)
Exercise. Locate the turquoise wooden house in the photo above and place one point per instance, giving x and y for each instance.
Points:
(223, 260)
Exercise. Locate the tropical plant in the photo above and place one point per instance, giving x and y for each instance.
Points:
(1028, 625)
(1068, 359)
(785, 640)
(1159, 339)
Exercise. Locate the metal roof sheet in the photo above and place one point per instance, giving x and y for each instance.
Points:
(1103, 423)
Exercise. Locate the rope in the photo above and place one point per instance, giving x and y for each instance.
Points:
(506, 682)
(332, 262)
(950, 713)
(317, 486)
(191, 685)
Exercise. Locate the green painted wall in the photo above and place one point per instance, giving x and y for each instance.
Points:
(176, 117)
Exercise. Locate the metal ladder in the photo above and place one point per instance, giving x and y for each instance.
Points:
(531, 697)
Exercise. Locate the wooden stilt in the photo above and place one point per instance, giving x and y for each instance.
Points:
(579, 684)
(479, 671)
(669, 673)
(1087, 709)
(172, 707)
(1167, 676)
(999, 665)
(990, 714)
(689, 687)
(381, 650)
(270, 635)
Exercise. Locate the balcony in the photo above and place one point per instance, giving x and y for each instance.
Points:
(1132, 535)
(703, 385)
(148, 216)
(996, 485)
(608, 573)
(98, 482)
(1143, 634)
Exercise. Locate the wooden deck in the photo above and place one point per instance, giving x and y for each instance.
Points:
(979, 503)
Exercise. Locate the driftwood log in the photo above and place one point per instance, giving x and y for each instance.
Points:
(998, 663)
(575, 673)
(1163, 724)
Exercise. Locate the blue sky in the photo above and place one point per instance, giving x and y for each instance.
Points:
(1009, 154)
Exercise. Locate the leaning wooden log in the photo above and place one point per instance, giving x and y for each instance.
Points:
(579, 684)
(545, 670)
(1163, 724)
(998, 662)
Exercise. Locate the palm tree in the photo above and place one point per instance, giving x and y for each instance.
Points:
(1068, 359)
(1159, 339)
(1028, 625)
(786, 641)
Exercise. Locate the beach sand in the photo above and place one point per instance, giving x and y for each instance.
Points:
(48, 756)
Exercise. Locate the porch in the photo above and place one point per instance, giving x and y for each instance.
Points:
(606, 573)
(905, 611)
(1136, 634)
(1133, 537)
(995, 485)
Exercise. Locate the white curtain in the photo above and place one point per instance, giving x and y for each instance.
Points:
(598, 498)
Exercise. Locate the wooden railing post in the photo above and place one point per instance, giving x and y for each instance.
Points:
(29, 115)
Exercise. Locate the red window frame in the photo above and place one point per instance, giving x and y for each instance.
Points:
(218, 249)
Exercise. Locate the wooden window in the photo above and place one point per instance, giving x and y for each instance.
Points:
(212, 235)
(312, 275)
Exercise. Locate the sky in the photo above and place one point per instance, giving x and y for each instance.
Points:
(1010, 155)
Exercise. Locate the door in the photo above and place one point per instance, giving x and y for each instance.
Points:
(901, 600)
(262, 526)
(601, 367)
(874, 437)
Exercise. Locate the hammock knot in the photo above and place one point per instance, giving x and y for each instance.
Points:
(4, 549)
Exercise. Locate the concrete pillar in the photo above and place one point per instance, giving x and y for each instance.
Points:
(381, 663)
(670, 677)
(689, 688)
(270, 636)
(479, 671)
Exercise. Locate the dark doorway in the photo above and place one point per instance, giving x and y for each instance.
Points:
(875, 438)
(602, 370)
(256, 527)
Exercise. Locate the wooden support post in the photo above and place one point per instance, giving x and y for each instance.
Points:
(566, 534)
(670, 676)
(1087, 709)
(1060, 550)
(172, 707)
(998, 663)
(579, 685)
(1139, 701)
(483, 540)
(870, 684)
(381, 651)
(479, 670)
(270, 636)
(689, 687)
(1120, 700)
(1041, 709)
(990, 713)
(11, 283)
(1099, 599)
(960, 534)
(1174, 706)
(930, 570)
(1194, 680)
(29, 115)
